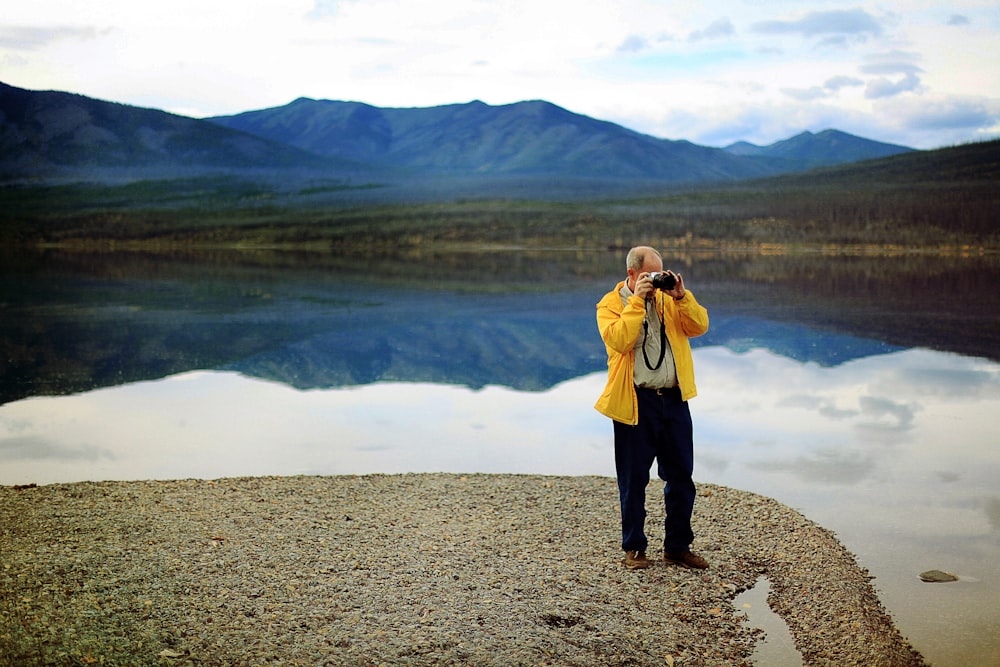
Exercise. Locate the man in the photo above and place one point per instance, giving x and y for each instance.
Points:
(650, 379)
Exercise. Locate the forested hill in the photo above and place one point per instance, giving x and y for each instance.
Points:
(530, 138)
(50, 132)
(45, 133)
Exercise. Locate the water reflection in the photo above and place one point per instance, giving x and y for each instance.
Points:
(212, 424)
(896, 452)
(73, 322)
(810, 392)
(764, 422)
(863, 433)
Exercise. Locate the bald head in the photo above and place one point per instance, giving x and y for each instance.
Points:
(641, 259)
(639, 255)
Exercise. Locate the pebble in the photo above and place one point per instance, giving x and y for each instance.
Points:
(415, 569)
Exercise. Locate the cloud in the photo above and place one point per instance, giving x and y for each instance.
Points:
(837, 22)
(717, 29)
(806, 94)
(833, 41)
(958, 19)
(835, 83)
(829, 89)
(891, 62)
(633, 44)
(888, 63)
(883, 87)
(950, 113)
(760, 123)
(322, 9)
(32, 38)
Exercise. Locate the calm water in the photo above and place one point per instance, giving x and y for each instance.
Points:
(845, 387)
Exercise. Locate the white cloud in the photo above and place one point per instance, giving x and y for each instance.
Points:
(835, 83)
(33, 38)
(956, 117)
(839, 22)
(717, 29)
(893, 62)
(806, 94)
(633, 44)
(883, 87)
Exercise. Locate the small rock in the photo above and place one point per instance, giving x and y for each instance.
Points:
(934, 576)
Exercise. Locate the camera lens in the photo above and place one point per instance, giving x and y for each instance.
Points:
(663, 280)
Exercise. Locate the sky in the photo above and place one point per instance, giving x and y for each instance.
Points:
(920, 73)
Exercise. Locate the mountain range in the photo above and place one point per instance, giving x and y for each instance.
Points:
(50, 133)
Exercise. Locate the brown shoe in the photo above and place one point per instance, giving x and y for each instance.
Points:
(686, 559)
(636, 560)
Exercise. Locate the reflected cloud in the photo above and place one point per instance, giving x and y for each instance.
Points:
(801, 401)
(218, 424)
(877, 413)
(32, 448)
(884, 414)
(711, 461)
(374, 448)
(831, 411)
(825, 466)
(969, 382)
(820, 405)
(864, 423)
(992, 508)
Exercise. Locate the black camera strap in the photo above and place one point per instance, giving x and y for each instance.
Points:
(663, 341)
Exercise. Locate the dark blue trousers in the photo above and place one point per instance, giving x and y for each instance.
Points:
(663, 434)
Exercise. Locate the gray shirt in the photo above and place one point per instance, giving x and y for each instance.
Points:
(650, 372)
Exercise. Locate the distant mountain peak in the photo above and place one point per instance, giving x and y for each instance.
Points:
(530, 137)
(825, 148)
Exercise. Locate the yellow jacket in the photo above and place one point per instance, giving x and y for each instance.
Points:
(620, 326)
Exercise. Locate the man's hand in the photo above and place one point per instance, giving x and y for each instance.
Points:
(678, 291)
(644, 286)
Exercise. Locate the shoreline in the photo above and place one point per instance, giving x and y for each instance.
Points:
(421, 569)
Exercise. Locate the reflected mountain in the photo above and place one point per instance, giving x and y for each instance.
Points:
(528, 342)
(529, 352)
(788, 339)
(75, 322)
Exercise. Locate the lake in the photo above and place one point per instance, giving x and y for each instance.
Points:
(860, 389)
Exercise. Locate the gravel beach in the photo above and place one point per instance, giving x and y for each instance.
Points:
(416, 569)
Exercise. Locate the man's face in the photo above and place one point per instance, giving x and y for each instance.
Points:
(650, 264)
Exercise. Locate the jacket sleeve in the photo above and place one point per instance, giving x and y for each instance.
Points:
(690, 315)
(620, 326)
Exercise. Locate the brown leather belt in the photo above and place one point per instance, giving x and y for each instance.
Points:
(661, 391)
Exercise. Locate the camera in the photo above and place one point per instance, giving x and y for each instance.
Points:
(663, 280)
